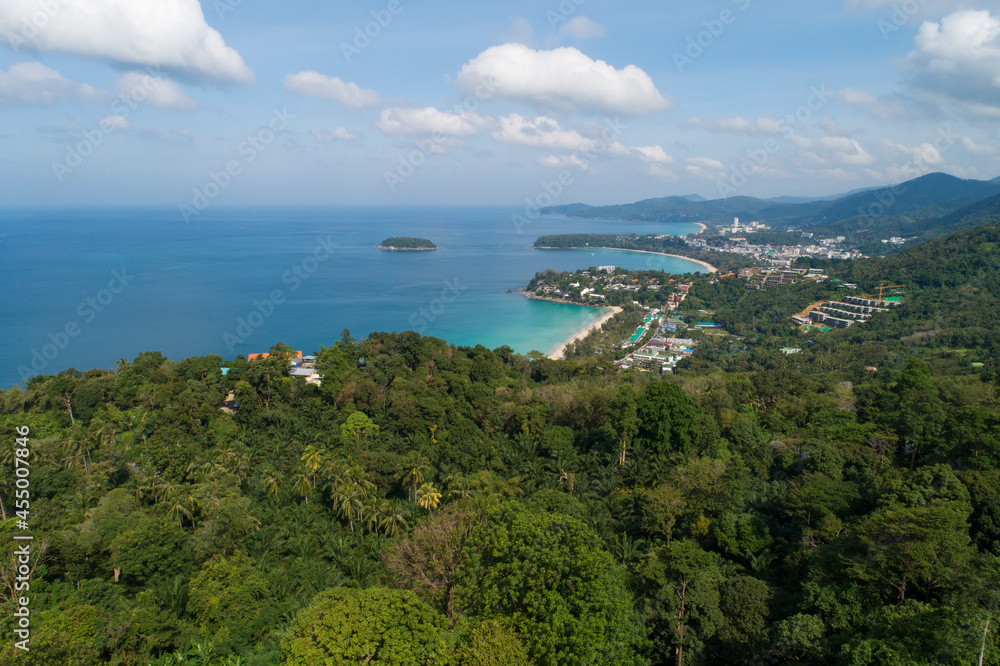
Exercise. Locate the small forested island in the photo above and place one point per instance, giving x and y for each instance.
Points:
(406, 244)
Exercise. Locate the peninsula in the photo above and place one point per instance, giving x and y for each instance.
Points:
(406, 244)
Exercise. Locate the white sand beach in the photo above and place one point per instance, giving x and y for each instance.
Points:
(560, 351)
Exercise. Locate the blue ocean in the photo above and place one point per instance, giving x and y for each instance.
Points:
(85, 287)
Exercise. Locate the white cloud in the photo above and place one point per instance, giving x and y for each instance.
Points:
(652, 154)
(564, 162)
(977, 149)
(903, 11)
(959, 57)
(427, 121)
(338, 134)
(314, 84)
(736, 124)
(32, 83)
(706, 167)
(582, 27)
(542, 132)
(154, 90)
(562, 79)
(114, 122)
(881, 108)
(844, 150)
(915, 158)
(161, 33)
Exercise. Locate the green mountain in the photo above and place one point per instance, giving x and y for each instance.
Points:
(936, 189)
(928, 197)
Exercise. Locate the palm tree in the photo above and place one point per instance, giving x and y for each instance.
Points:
(460, 486)
(313, 459)
(373, 509)
(414, 466)
(393, 518)
(303, 486)
(347, 500)
(179, 511)
(428, 497)
(272, 483)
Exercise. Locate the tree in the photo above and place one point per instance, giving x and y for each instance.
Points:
(414, 466)
(428, 496)
(669, 418)
(686, 581)
(625, 418)
(151, 549)
(745, 606)
(549, 576)
(492, 643)
(920, 418)
(906, 547)
(428, 560)
(373, 626)
(357, 427)
(664, 506)
(226, 597)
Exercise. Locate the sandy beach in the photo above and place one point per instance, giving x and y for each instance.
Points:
(559, 351)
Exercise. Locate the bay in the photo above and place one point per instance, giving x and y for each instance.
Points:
(236, 281)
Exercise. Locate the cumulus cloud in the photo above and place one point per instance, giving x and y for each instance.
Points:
(338, 134)
(153, 90)
(736, 124)
(844, 150)
(582, 27)
(959, 57)
(32, 83)
(562, 79)
(314, 84)
(546, 133)
(542, 132)
(429, 120)
(706, 167)
(161, 33)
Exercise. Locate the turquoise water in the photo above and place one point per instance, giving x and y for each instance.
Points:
(85, 287)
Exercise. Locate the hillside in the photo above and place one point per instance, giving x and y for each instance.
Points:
(930, 190)
(461, 505)
(926, 197)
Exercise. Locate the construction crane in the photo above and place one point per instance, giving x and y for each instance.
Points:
(883, 287)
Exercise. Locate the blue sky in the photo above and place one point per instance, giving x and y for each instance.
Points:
(230, 102)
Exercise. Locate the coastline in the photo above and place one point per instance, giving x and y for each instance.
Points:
(709, 268)
(559, 352)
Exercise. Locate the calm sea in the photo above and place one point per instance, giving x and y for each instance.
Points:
(84, 287)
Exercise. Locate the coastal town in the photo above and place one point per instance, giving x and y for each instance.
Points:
(737, 239)
(664, 333)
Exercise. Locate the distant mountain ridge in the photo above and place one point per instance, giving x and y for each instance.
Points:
(931, 190)
(929, 200)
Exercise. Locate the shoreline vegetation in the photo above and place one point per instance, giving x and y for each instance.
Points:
(406, 244)
(673, 246)
(709, 268)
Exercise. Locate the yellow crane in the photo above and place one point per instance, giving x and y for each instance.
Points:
(883, 287)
